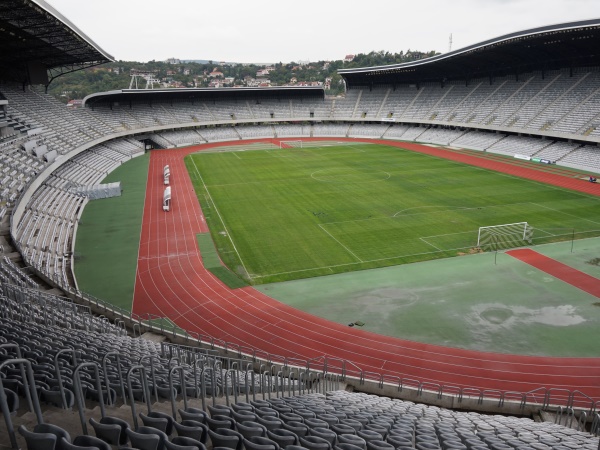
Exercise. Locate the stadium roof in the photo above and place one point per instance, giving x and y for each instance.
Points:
(573, 44)
(126, 96)
(38, 44)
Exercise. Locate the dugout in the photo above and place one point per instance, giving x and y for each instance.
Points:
(166, 174)
(167, 199)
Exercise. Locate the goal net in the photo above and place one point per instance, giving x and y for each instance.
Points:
(290, 144)
(498, 237)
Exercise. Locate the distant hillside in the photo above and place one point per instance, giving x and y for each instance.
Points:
(178, 74)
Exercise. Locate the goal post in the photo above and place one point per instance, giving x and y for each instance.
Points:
(290, 144)
(505, 236)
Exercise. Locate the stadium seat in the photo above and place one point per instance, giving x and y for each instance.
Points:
(260, 443)
(226, 437)
(38, 441)
(192, 429)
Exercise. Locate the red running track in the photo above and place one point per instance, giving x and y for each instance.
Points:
(172, 282)
(568, 274)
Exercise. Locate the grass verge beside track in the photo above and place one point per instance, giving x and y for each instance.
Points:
(212, 263)
(108, 237)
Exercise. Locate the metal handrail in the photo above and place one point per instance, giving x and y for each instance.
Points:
(79, 392)
(347, 368)
(29, 387)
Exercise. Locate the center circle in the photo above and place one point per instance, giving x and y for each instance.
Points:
(350, 175)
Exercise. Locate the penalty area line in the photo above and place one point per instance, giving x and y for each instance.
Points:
(345, 248)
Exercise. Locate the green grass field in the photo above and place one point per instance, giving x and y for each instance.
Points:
(282, 214)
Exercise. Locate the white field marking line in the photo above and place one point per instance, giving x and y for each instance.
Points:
(546, 232)
(429, 243)
(169, 255)
(449, 208)
(221, 219)
(462, 208)
(346, 248)
(353, 170)
(566, 214)
(235, 184)
(352, 264)
(334, 153)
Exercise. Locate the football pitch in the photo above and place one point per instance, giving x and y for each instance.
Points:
(282, 214)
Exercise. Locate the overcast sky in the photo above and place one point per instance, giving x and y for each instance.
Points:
(259, 31)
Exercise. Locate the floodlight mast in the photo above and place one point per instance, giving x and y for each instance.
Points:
(148, 75)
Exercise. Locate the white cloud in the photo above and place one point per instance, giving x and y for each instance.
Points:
(245, 31)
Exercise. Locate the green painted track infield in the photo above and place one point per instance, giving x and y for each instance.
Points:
(211, 261)
(108, 236)
(479, 302)
(283, 214)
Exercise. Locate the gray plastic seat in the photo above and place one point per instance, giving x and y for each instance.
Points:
(89, 442)
(342, 428)
(243, 415)
(110, 430)
(68, 446)
(378, 428)
(324, 433)
(226, 437)
(12, 400)
(399, 440)
(313, 422)
(143, 441)
(315, 443)
(283, 437)
(186, 441)
(135, 437)
(173, 446)
(192, 429)
(347, 447)
(54, 429)
(161, 415)
(379, 445)
(329, 418)
(109, 433)
(352, 439)
(38, 441)
(260, 443)
(291, 417)
(249, 429)
(221, 410)
(270, 422)
(369, 435)
(160, 423)
(295, 447)
(220, 421)
(297, 428)
(353, 423)
(193, 414)
(242, 406)
(266, 411)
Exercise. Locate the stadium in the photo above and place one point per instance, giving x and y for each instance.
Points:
(222, 364)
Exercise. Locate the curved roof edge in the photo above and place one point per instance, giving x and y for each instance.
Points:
(506, 37)
(132, 93)
(54, 12)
